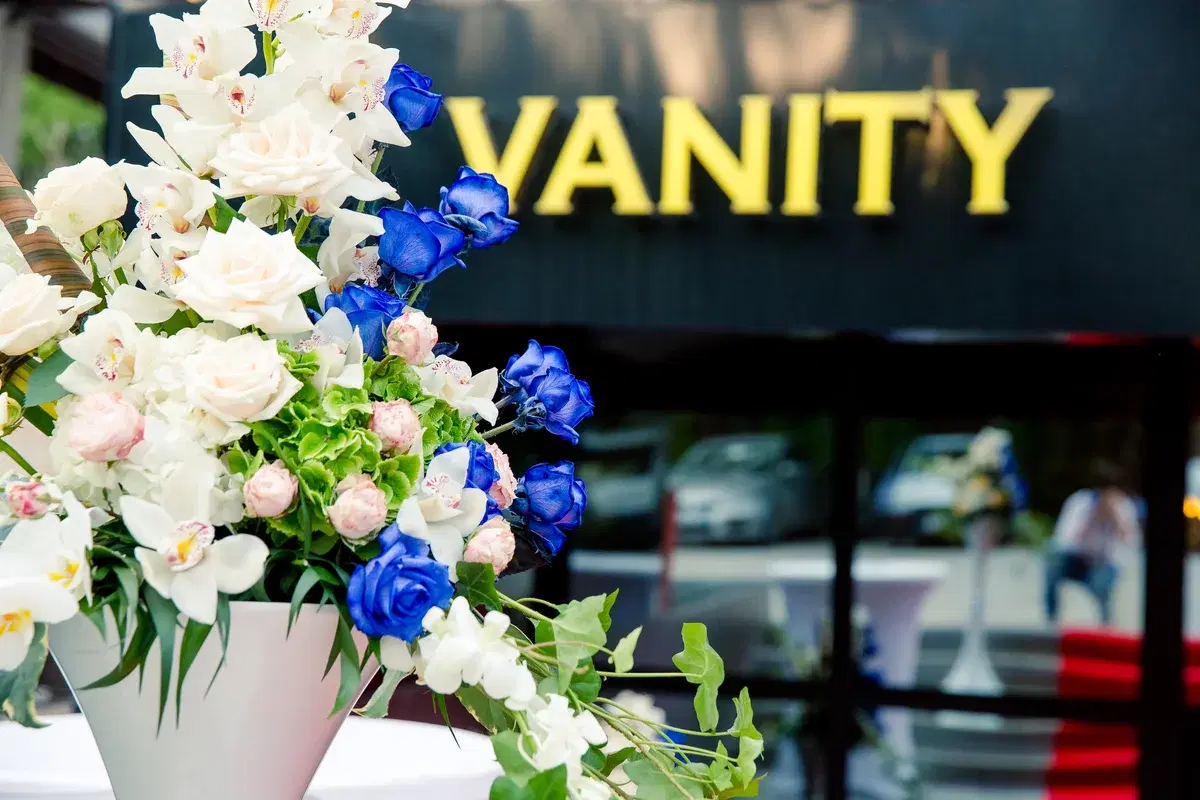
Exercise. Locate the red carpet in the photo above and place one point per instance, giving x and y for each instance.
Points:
(1099, 761)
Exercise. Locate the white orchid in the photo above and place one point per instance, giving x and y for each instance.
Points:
(352, 19)
(233, 99)
(170, 202)
(184, 143)
(110, 354)
(341, 256)
(450, 510)
(56, 548)
(26, 599)
(268, 15)
(196, 49)
(179, 554)
(339, 347)
(451, 380)
(33, 311)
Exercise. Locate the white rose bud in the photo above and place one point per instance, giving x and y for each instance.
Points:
(105, 427)
(360, 509)
(412, 336)
(396, 424)
(30, 499)
(73, 200)
(504, 488)
(493, 543)
(270, 491)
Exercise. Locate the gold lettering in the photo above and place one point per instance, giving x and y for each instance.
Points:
(878, 112)
(989, 149)
(803, 150)
(686, 133)
(596, 126)
(479, 150)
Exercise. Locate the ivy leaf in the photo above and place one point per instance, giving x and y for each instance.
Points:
(42, 386)
(701, 665)
(606, 613)
(586, 686)
(477, 583)
(578, 623)
(165, 617)
(749, 790)
(622, 657)
(614, 760)
(194, 636)
(18, 688)
(743, 723)
(377, 707)
(548, 785)
(507, 747)
(489, 713)
(719, 771)
(749, 749)
(654, 784)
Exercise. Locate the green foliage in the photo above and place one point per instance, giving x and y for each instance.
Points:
(548, 785)
(507, 746)
(477, 583)
(42, 386)
(377, 708)
(622, 657)
(658, 782)
(194, 636)
(351, 676)
(223, 215)
(702, 665)
(579, 634)
(165, 618)
(392, 379)
(489, 713)
(18, 688)
(444, 425)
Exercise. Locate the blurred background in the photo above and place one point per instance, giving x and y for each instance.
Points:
(724, 385)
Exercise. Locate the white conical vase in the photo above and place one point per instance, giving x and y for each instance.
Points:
(259, 734)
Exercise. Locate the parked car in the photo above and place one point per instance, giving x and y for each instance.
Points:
(625, 471)
(749, 488)
(912, 501)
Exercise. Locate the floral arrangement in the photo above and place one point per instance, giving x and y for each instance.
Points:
(251, 403)
(987, 478)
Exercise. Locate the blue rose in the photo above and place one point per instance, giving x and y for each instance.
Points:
(478, 204)
(550, 500)
(481, 471)
(536, 361)
(391, 593)
(369, 310)
(419, 245)
(406, 94)
(559, 401)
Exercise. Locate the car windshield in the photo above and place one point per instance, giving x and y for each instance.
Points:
(626, 461)
(742, 455)
(934, 456)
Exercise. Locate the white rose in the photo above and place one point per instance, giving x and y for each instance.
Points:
(32, 310)
(240, 380)
(73, 200)
(493, 543)
(285, 154)
(270, 491)
(249, 277)
(396, 424)
(360, 509)
(504, 489)
(105, 427)
(412, 337)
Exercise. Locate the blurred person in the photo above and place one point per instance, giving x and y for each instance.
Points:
(1092, 525)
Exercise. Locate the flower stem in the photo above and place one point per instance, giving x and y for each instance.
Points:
(19, 459)
(302, 226)
(640, 674)
(491, 433)
(524, 609)
(416, 292)
(268, 52)
(600, 776)
(378, 162)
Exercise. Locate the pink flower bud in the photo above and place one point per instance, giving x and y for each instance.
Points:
(493, 543)
(360, 510)
(396, 424)
(29, 499)
(411, 336)
(270, 491)
(105, 427)
(504, 488)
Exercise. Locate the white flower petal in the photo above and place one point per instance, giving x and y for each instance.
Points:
(155, 570)
(395, 655)
(195, 592)
(14, 646)
(149, 524)
(238, 562)
(142, 306)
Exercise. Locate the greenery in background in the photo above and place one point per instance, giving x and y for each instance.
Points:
(58, 127)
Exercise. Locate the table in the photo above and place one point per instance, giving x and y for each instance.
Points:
(787, 586)
(369, 760)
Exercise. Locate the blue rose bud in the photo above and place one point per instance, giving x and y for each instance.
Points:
(550, 500)
(406, 94)
(536, 361)
(419, 245)
(477, 204)
(369, 310)
(391, 593)
(481, 471)
(563, 401)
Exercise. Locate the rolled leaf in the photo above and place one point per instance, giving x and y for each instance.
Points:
(42, 250)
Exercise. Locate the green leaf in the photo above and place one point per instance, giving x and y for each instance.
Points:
(489, 713)
(594, 758)
(189, 647)
(702, 665)
(749, 790)
(377, 706)
(308, 579)
(165, 617)
(749, 749)
(548, 785)
(507, 747)
(614, 760)
(439, 702)
(18, 688)
(586, 686)
(38, 418)
(622, 657)
(606, 614)
(743, 723)
(477, 583)
(42, 386)
(654, 784)
(134, 655)
(350, 675)
(224, 215)
(223, 630)
(578, 623)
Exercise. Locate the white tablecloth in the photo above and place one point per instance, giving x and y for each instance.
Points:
(369, 760)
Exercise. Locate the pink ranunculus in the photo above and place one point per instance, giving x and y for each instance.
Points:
(493, 543)
(396, 424)
(412, 336)
(105, 427)
(28, 499)
(504, 488)
(360, 510)
(270, 491)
